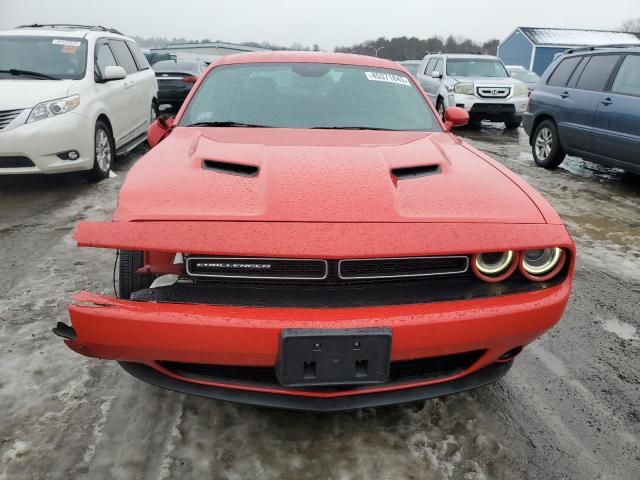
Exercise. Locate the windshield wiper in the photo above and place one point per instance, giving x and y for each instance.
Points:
(27, 73)
(227, 124)
(354, 128)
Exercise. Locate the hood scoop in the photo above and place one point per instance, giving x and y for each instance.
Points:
(407, 173)
(239, 169)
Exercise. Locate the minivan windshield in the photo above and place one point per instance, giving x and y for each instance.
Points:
(476, 67)
(38, 57)
(309, 95)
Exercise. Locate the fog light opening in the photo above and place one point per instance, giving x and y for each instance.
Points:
(69, 155)
(510, 355)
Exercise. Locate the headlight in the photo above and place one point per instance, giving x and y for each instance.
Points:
(543, 264)
(464, 88)
(495, 266)
(521, 90)
(53, 108)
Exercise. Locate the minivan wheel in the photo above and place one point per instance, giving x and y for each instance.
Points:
(547, 151)
(104, 153)
(154, 112)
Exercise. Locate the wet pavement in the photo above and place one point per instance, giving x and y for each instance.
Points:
(568, 409)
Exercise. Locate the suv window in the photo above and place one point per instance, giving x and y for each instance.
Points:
(104, 58)
(138, 56)
(438, 67)
(563, 71)
(123, 55)
(597, 72)
(627, 80)
(430, 64)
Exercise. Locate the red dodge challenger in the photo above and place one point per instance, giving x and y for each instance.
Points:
(308, 234)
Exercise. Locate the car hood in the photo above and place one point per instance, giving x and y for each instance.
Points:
(320, 176)
(27, 93)
(487, 80)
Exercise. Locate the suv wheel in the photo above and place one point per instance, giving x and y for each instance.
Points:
(103, 153)
(547, 151)
(513, 123)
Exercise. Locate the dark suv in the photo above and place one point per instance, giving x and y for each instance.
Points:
(588, 105)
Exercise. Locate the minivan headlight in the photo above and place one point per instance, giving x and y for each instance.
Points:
(53, 108)
(464, 88)
(521, 90)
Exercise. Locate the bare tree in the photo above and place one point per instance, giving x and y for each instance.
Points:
(632, 25)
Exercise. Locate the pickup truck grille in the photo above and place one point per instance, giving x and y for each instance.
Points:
(8, 116)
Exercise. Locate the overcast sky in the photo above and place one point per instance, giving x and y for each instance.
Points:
(325, 22)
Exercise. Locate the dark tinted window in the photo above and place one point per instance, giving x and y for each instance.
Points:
(597, 72)
(575, 76)
(123, 55)
(104, 58)
(627, 80)
(561, 74)
(138, 56)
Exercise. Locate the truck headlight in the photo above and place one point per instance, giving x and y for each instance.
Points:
(521, 90)
(464, 88)
(53, 108)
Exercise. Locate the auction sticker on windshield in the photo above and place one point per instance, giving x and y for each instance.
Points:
(387, 77)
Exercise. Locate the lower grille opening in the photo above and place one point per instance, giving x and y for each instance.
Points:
(431, 368)
(15, 162)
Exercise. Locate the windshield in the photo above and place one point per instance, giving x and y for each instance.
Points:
(524, 76)
(309, 95)
(474, 67)
(56, 57)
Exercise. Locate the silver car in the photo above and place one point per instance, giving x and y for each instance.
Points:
(478, 83)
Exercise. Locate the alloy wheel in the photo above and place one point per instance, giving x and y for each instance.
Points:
(103, 150)
(544, 143)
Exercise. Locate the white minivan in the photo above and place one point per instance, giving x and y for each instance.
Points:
(71, 98)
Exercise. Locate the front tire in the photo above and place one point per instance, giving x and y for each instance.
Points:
(546, 148)
(513, 123)
(128, 280)
(104, 153)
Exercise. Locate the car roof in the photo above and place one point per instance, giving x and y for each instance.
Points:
(308, 57)
(602, 49)
(70, 31)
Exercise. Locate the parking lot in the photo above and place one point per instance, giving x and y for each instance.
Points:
(567, 410)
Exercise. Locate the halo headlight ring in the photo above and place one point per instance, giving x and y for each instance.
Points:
(546, 272)
(498, 272)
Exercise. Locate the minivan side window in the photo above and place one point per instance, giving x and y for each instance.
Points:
(430, 65)
(123, 55)
(563, 71)
(104, 58)
(597, 72)
(627, 80)
(138, 56)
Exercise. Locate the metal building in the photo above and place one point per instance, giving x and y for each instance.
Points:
(535, 48)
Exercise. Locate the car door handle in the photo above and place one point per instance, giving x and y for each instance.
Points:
(606, 101)
(564, 94)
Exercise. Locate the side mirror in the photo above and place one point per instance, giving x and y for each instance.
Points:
(455, 117)
(159, 129)
(114, 72)
(436, 74)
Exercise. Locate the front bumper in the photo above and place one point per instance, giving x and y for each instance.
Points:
(40, 142)
(490, 108)
(150, 333)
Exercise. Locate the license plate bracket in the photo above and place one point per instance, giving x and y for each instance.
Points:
(314, 357)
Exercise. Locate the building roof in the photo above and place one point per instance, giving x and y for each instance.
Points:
(568, 37)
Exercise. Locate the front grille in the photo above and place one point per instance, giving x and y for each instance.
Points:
(431, 368)
(8, 116)
(256, 268)
(402, 267)
(498, 108)
(493, 92)
(15, 162)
